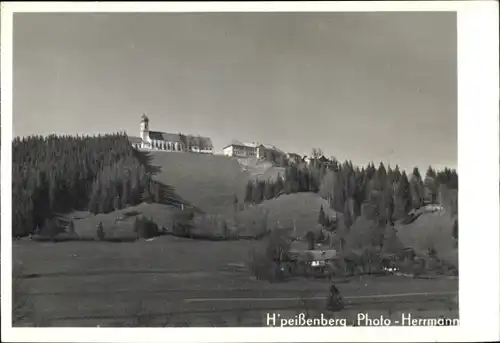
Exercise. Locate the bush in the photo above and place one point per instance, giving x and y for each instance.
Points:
(212, 226)
(265, 262)
(100, 232)
(183, 223)
(51, 228)
(145, 228)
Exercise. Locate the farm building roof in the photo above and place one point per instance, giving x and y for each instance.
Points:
(322, 255)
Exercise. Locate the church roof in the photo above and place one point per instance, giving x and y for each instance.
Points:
(164, 136)
(187, 140)
(134, 139)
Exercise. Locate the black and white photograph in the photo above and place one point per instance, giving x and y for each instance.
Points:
(241, 169)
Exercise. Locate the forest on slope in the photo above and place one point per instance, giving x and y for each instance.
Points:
(381, 193)
(101, 174)
(57, 174)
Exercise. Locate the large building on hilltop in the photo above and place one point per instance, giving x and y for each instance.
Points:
(257, 150)
(163, 141)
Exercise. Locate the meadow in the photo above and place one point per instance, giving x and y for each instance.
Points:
(158, 282)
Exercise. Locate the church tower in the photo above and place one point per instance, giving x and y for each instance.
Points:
(144, 128)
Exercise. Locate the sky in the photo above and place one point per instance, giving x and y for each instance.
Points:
(360, 86)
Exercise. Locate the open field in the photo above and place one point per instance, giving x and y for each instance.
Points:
(178, 282)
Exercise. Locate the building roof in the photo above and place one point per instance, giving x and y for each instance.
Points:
(163, 136)
(322, 255)
(187, 140)
(241, 144)
(252, 145)
(133, 139)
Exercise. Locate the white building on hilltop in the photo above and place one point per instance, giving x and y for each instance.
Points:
(156, 140)
(257, 150)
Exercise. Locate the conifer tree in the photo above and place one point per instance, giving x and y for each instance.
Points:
(278, 186)
(322, 217)
(403, 197)
(311, 240)
(257, 193)
(430, 185)
(347, 216)
(117, 203)
(249, 192)
(417, 189)
(268, 190)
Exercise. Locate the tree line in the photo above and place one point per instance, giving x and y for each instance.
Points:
(382, 193)
(56, 174)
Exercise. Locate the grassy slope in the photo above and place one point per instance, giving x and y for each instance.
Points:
(430, 230)
(211, 181)
(208, 182)
(260, 170)
(303, 208)
(86, 223)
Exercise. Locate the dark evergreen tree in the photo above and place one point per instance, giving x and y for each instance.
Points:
(278, 186)
(322, 217)
(455, 230)
(417, 189)
(56, 174)
(269, 190)
(348, 221)
(249, 192)
(311, 240)
(403, 202)
(431, 185)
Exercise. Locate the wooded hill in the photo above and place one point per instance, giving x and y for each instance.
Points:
(57, 174)
(384, 193)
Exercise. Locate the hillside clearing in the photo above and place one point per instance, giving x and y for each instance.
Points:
(209, 182)
(261, 170)
(120, 224)
(430, 230)
(301, 209)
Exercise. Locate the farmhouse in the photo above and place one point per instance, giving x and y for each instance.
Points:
(156, 140)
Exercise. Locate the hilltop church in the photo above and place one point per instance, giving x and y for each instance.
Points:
(156, 140)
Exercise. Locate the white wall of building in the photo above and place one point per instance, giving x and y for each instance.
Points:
(228, 151)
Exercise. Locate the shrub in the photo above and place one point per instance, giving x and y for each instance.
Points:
(71, 228)
(182, 223)
(146, 228)
(265, 262)
(51, 228)
(212, 226)
(100, 232)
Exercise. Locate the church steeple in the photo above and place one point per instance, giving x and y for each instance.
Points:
(144, 127)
